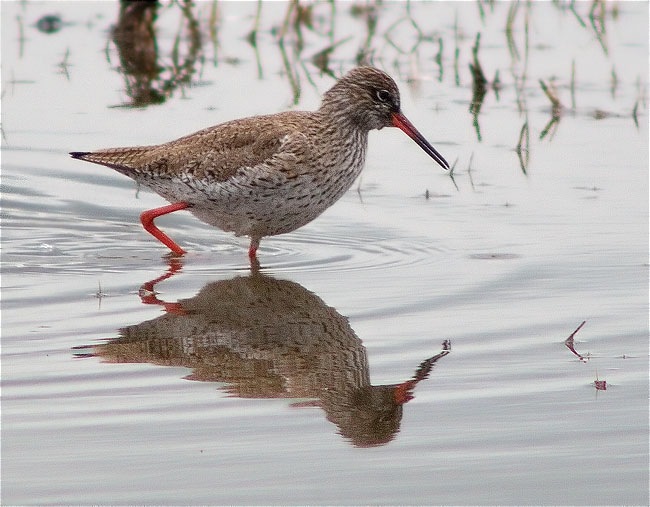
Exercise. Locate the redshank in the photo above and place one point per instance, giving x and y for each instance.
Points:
(272, 174)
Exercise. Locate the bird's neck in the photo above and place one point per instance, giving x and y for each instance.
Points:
(340, 122)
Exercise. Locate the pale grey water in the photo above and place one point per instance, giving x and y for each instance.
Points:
(237, 395)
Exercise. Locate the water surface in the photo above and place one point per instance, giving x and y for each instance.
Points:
(407, 347)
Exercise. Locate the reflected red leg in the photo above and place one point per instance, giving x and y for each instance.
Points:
(148, 294)
(147, 218)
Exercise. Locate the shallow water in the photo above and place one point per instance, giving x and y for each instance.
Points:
(407, 347)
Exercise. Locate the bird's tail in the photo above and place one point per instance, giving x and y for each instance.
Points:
(125, 160)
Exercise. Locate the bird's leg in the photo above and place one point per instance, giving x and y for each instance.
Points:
(252, 255)
(147, 218)
(252, 250)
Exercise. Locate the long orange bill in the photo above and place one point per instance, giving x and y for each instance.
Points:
(401, 122)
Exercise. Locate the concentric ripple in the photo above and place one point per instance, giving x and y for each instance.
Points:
(348, 249)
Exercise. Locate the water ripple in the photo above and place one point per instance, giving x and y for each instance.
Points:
(355, 249)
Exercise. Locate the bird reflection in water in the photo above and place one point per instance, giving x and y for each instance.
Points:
(270, 338)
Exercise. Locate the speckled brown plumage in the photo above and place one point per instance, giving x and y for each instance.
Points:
(272, 174)
(269, 338)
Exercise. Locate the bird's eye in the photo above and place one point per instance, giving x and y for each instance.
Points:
(383, 95)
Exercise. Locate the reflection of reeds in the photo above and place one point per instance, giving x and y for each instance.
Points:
(21, 36)
(519, 76)
(322, 59)
(291, 25)
(184, 65)
(291, 42)
(640, 100)
(479, 86)
(597, 19)
(523, 147)
(369, 14)
(150, 78)
(213, 27)
(438, 59)
(63, 64)
(252, 39)
(469, 172)
(556, 109)
(315, 38)
(512, 46)
(451, 172)
(456, 50)
(408, 18)
(572, 9)
(635, 111)
(551, 93)
(573, 85)
(481, 10)
(614, 82)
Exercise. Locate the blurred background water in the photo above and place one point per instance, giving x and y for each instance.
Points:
(420, 343)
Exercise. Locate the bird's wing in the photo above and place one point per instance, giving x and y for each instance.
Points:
(215, 153)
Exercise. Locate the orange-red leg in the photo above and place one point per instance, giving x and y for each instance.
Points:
(252, 249)
(252, 255)
(147, 218)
